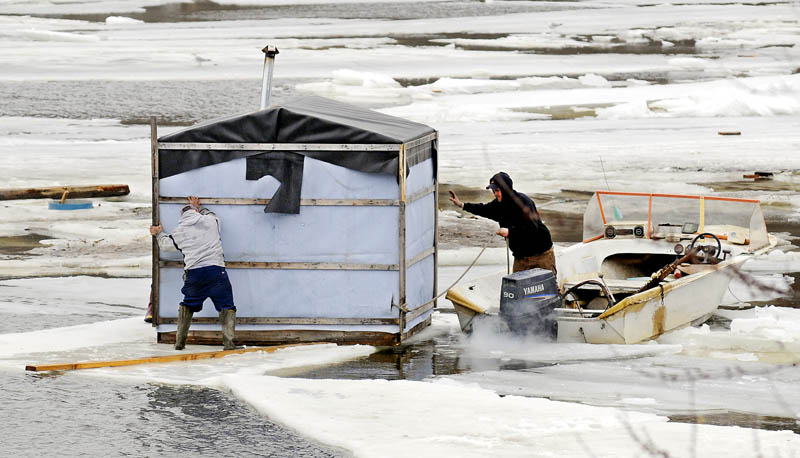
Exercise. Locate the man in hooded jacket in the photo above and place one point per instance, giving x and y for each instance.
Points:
(528, 237)
(197, 237)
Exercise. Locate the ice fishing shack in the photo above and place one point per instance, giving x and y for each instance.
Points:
(328, 216)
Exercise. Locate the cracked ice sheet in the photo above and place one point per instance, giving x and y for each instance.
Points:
(749, 368)
(129, 339)
(401, 418)
(449, 418)
(92, 50)
(74, 295)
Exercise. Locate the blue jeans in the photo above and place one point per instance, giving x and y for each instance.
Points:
(204, 282)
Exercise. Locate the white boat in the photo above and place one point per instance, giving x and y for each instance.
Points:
(609, 293)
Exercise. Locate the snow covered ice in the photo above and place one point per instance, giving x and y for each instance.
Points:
(624, 95)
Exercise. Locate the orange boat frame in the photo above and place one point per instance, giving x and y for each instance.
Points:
(650, 206)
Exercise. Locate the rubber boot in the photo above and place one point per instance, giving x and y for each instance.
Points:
(184, 320)
(227, 318)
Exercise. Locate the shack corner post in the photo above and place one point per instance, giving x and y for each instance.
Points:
(154, 203)
(402, 306)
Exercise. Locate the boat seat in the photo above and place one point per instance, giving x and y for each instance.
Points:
(615, 285)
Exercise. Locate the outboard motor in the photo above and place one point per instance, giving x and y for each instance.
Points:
(527, 301)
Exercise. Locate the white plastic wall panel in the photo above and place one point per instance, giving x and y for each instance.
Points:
(420, 232)
(419, 283)
(321, 180)
(346, 234)
(420, 177)
(294, 293)
(420, 216)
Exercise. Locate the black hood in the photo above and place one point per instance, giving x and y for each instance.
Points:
(502, 181)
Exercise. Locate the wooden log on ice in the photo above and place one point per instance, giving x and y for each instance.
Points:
(759, 175)
(158, 359)
(62, 192)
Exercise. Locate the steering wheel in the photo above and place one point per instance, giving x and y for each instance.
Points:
(705, 258)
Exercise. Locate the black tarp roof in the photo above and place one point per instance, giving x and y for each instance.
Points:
(308, 119)
(303, 120)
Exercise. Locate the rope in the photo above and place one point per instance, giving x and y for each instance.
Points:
(467, 270)
(455, 282)
(508, 258)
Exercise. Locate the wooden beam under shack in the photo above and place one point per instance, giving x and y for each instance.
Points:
(57, 192)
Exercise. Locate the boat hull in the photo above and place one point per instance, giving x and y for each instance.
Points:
(649, 314)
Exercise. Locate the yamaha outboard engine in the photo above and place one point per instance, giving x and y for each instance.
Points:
(527, 301)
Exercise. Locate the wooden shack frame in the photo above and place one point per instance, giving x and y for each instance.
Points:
(407, 317)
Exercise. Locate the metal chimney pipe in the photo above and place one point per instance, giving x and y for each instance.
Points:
(266, 78)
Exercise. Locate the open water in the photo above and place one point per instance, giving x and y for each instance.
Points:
(53, 414)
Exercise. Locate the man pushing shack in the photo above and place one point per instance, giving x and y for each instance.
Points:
(528, 237)
(197, 237)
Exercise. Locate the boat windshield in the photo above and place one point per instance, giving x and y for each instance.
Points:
(738, 221)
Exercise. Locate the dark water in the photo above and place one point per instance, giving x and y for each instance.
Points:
(15, 323)
(745, 420)
(65, 416)
(442, 355)
(203, 10)
(171, 102)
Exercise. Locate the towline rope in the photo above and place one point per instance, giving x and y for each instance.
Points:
(455, 282)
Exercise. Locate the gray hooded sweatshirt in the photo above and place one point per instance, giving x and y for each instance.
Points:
(197, 237)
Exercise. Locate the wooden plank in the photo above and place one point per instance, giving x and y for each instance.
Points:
(416, 329)
(280, 146)
(280, 337)
(303, 202)
(428, 138)
(422, 193)
(58, 192)
(293, 265)
(435, 220)
(413, 314)
(401, 237)
(154, 287)
(291, 320)
(158, 359)
(419, 257)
